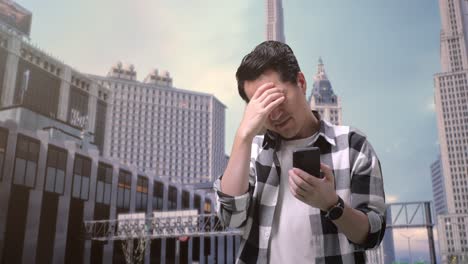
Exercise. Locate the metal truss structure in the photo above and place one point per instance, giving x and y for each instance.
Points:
(413, 215)
(157, 227)
(402, 215)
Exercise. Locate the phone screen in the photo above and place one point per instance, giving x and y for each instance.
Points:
(308, 160)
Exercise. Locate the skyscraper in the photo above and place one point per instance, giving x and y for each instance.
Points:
(438, 187)
(174, 133)
(323, 99)
(451, 100)
(274, 19)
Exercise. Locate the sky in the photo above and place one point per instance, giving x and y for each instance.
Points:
(380, 57)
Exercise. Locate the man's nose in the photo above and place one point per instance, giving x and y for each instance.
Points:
(275, 114)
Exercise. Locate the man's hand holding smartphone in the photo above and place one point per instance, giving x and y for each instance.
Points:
(311, 181)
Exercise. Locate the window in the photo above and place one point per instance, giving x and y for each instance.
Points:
(100, 125)
(158, 196)
(3, 145)
(172, 200)
(27, 154)
(185, 200)
(81, 177)
(123, 189)
(142, 194)
(43, 90)
(207, 210)
(55, 170)
(104, 184)
(197, 202)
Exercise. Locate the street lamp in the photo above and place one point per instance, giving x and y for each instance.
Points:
(409, 246)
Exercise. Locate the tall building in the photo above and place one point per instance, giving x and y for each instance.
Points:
(174, 133)
(323, 99)
(274, 20)
(15, 17)
(451, 100)
(42, 93)
(438, 187)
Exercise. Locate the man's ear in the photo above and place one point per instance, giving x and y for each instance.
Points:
(301, 82)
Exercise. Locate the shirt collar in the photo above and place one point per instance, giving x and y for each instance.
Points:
(273, 139)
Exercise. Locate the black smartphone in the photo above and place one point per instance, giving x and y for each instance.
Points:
(308, 160)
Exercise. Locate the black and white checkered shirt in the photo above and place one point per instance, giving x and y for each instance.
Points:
(358, 181)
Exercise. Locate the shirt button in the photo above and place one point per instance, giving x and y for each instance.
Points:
(267, 234)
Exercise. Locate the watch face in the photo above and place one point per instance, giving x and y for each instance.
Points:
(335, 213)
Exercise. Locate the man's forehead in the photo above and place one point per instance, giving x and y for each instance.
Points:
(259, 82)
(266, 77)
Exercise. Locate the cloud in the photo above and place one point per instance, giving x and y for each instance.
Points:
(430, 105)
(218, 81)
(418, 240)
(391, 198)
(185, 38)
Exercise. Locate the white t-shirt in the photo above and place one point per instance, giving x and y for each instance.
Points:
(291, 233)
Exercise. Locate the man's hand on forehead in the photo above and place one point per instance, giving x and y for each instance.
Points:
(267, 94)
(262, 88)
(265, 90)
(266, 98)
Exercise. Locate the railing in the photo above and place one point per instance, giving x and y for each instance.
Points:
(157, 227)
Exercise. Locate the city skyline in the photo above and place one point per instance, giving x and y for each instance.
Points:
(386, 63)
(397, 88)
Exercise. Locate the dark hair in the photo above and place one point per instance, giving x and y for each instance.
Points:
(268, 55)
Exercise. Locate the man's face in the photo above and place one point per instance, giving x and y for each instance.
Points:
(289, 119)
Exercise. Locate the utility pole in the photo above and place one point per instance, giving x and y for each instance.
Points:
(409, 247)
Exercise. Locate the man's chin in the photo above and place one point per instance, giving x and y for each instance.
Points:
(287, 136)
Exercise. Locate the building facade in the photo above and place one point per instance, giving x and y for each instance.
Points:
(274, 20)
(49, 187)
(451, 101)
(43, 93)
(438, 187)
(174, 133)
(323, 99)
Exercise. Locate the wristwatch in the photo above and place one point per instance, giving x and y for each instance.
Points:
(336, 211)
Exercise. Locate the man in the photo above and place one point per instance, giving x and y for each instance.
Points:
(288, 215)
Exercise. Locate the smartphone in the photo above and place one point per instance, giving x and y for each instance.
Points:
(308, 160)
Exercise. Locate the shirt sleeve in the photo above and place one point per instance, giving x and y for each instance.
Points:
(233, 210)
(367, 189)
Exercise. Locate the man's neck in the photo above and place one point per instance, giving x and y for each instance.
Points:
(312, 126)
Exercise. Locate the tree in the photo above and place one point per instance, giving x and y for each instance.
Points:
(134, 255)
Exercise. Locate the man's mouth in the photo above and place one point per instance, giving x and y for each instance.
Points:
(282, 123)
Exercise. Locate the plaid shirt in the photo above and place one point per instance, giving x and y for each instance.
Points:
(358, 181)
